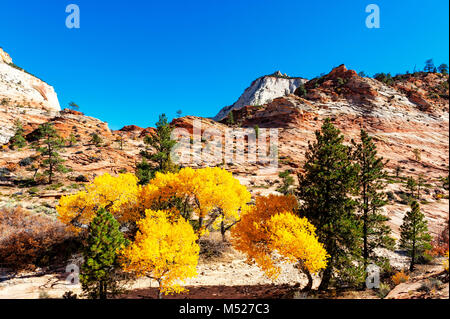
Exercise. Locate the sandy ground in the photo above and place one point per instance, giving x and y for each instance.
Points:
(216, 273)
(222, 273)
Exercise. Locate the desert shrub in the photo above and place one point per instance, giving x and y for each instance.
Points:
(28, 240)
(399, 277)
(70, 295)
(44, 295)
(26, 161)
(383, 291)
(33, 190)
(211, 247)
(425, 258)
(430, 285)
(301, 91)
(390, 196)
(81, 179)
(440, 243)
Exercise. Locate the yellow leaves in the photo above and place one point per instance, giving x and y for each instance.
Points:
(205, 189)
(295, 239)
(270, 226)
(400, 277)
(445, 263)
(118, 195)
(164, 249)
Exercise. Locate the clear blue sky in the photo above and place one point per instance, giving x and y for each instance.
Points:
(132, 60)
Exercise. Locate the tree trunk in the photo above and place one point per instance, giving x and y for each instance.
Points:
(200, 223)
(413, 255)
(326, 277)
(366, 211)
(50, 170)
(308, 286)
(222, 230)
(160, 295)
(102, 290)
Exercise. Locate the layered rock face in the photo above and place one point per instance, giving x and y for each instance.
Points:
(262, 91)
(23, 96)
(409, 115)
(4, 57)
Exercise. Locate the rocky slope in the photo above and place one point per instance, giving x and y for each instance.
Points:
(262, 91)
(22, 94)
(405, 117)
(395, 115)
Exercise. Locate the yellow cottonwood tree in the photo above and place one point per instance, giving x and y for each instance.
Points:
(270, 226)
(295, 239)
(164, 249)
(211, 193)
(118, 195)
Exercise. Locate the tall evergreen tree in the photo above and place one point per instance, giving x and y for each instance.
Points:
(287, 181)
(230, 118)
(48, 144)
(98, 272)
(162, 143)
(371, 198)
(443, 68)
(18, 140)
(414, 233)
(74, 106)
(411, 186)
(325, 189)
(429, 66)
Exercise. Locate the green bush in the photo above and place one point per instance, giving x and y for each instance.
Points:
(383, 291)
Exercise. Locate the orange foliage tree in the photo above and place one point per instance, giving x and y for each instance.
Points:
(270, 226)
(164, 249)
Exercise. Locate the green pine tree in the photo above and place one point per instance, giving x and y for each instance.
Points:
(443, 68)
(421, 181)
(411, 186)
(18, 140)
(429, 66)
(230, 118)
(371, 198)
(74, 106)
(287, 181)
(98, 275)
(144, 171)
(325, 190)
(48, 145)
(414, 234)
(72, 140)
(162, 142)
(398, 170)
(96, 139)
